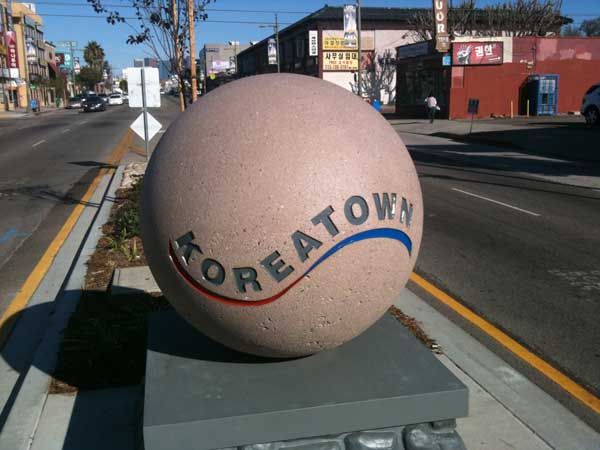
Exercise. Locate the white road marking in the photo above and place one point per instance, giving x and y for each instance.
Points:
(82, 122)
(39, 142)
(65, 130)
(496, 202)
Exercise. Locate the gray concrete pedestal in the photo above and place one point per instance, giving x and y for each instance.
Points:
(200, 395)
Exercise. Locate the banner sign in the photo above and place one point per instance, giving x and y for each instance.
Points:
(440, 13)
(76, 66)
(340, 61)
(313, 43)
(31, 50)
(477, 53)
(272, 51)
(350, 30)
(11, 45)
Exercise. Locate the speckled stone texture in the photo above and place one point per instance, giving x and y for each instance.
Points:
(243, 170)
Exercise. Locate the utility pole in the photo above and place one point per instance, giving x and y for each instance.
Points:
(190, 5)
(205, 71)
(145, 112)
(358, 27)
(177, 51)
(277, 42)
(25, 64)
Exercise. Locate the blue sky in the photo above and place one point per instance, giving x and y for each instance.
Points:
(120, 55)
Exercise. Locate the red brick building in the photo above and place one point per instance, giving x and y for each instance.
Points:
(500, 84)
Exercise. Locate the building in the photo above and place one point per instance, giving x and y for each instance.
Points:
(5, 73)
(219, 58)
(507, 75)
(326, 57)
(27, 66)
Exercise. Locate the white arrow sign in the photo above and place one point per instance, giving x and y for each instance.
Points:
(154, 126)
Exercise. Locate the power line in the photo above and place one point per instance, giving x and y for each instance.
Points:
(81, 16)
(114, 5)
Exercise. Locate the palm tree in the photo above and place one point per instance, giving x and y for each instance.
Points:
(93, 54)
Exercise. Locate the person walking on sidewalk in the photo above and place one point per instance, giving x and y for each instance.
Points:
(34, 105)
(432, 106)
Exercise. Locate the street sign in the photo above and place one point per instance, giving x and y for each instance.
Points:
(154, 126)
(440, 15)
(134, 86)
(313, 43)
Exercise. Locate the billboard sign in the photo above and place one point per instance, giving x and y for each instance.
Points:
(313, 43)
(440, 13)
(350, 30)
(340, 61)
(477, 53)
(31, 50)
(221, 65)
(11, 46)
(272, 51)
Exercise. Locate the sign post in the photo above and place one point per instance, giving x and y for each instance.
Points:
(473, 109)
(145, 112)
(144, 92)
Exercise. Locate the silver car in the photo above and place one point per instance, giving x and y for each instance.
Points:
(590, 106)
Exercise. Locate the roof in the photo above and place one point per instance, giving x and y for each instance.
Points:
(333, 13)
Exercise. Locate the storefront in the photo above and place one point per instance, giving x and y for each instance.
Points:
(500, 72)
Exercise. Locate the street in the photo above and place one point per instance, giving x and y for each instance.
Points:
(521, 252)
(46, 164)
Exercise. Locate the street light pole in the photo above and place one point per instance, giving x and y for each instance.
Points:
(277, 42)
(190, 6)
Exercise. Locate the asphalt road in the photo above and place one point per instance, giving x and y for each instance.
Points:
(522, 252)
(46, 164)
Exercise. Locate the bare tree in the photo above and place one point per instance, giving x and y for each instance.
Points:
(162, 27)
(378, 76)
(512, 18)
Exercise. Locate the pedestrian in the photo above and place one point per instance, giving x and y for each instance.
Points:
(34, 105)
(432, 106)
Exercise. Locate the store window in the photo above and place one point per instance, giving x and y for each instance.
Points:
(415, 86)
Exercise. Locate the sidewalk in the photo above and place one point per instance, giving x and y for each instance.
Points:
(22, 113)
(564, 137)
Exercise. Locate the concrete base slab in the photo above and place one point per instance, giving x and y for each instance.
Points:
(201, 395)
(133, 280)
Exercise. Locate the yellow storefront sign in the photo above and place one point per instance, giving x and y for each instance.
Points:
(335, 43)
(340, 61)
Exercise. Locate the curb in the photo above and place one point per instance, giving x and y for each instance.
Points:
(22, 420)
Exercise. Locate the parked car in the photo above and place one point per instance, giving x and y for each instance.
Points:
(104, 97)
(74, 102)
(590, 105)
(115, 99)
(125, 97)
(94, 103)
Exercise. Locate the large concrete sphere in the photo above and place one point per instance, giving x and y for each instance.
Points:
(281, 215)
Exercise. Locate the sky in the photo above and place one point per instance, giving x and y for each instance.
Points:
(120, 55)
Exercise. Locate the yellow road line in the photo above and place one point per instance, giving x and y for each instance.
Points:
(566, 383)
(20, 301)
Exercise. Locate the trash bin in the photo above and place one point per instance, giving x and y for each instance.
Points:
(377, 105)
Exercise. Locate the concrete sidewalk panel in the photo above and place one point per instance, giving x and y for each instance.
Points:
(543, 415)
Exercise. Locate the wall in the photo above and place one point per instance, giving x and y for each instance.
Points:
(576, 60)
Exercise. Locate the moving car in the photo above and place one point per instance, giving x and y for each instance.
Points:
(104, 97)
(94, 103)
(590, 105)
(115, 99)
(74, 102)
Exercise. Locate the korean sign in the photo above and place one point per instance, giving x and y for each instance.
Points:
(340, 61)
(313, 43)
(12, 55)
(440, 13)
(350, 31)
(477, 53)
